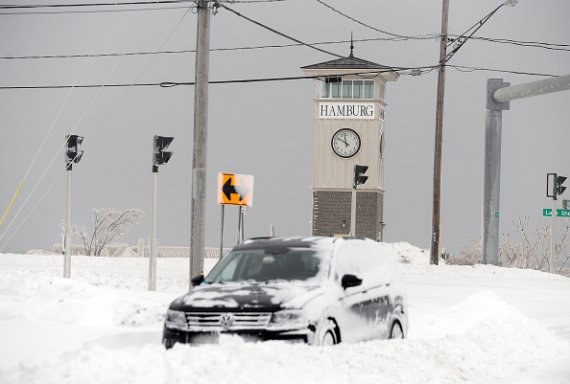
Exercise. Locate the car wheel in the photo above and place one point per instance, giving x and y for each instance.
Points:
(396, 332)
(327, 336)
(168, 343)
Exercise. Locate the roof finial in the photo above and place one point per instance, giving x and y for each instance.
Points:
(351, 45)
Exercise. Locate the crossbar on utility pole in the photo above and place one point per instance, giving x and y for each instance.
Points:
(436, 225)
(499, 94)
(200, 141)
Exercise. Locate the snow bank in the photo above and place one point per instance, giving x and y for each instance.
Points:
(481, 340)
(405, 253)
(466, 325)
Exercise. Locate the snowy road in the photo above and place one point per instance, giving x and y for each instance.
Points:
(478, 324)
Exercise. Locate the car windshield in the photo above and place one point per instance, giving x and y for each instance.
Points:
(264, 264)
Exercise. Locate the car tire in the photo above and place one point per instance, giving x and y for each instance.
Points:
(168, 343)
(327, 335)
(396, 331)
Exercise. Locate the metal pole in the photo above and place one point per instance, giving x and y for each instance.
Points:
(436, 225)
(222, 234)
(353, 212)
(200, 141)
(553, 237)
(67, 235)
(499, 95)
(153, 251)
(492, 187)
(242, 227)
(535, 88)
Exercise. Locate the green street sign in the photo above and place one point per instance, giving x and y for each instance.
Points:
(547, 212)
(563, 212)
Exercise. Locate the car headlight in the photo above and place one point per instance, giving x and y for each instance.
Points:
(289, 317)
(175, 319)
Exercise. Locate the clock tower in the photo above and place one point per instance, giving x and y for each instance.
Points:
(348, 130)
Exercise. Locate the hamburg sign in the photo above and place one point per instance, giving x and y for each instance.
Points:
(235, 189)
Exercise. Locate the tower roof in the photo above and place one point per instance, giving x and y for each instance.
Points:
(349, 62)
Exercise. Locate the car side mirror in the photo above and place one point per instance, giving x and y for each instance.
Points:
(197, 280)
(348, 281)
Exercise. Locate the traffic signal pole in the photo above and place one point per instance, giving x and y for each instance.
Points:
(200, 141)
(67, 228)
(153, 249)
(73, 154)
(553, 253)
(357, 179)
(499, 95)
(353, 212)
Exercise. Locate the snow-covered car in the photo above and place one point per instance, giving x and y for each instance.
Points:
(317, 290)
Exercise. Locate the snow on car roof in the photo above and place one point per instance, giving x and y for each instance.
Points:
(290, 242)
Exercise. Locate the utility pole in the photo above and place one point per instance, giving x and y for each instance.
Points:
(436, 226)
(200, 140)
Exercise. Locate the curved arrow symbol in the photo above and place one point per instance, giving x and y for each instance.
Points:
(228, 189)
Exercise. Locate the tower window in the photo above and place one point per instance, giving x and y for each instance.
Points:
(335, 88)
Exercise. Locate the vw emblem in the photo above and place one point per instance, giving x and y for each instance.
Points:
(226, 320)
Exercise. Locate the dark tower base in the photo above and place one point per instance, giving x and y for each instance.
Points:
(331, 213)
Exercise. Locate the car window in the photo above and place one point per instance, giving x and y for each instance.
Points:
(268, 264)
(361, 259)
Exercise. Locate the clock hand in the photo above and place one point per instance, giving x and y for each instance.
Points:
(344, 140)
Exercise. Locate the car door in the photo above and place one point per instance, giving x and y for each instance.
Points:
(353, 312)
(376, 286)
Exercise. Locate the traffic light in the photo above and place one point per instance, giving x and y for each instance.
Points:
(558, 188)
(359, 171)
(73, 152)
(554, 185)
(161, 156)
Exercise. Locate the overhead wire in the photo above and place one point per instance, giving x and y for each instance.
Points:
(168, 84)
(91, 11)
(42, 144)
(97, 128)
(404, 37)
(277, 32)
(467, 34)
(100, 4)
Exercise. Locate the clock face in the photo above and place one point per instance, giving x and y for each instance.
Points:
(345, 143)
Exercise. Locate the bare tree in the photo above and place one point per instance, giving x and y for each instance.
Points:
(108, 225)
(532, 250)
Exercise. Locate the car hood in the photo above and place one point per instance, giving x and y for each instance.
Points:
(247, 297)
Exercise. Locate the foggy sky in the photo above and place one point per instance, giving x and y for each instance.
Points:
(266, 129)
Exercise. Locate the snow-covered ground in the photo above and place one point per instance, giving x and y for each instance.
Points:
(479, 324)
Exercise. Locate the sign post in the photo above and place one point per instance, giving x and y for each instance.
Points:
(234, 189)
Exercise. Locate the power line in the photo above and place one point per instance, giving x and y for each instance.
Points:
(404, 37)
(168, 84)
(117, 104)
(91, 11)
(475, 27)
(531, 44)
(534, 44)
(463, 68)
(183, 51)
(279, 33)
(67, 7)
(82, 5)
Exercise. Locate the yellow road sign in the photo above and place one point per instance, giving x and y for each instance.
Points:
(235, 189)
